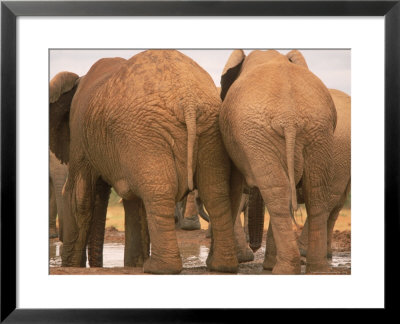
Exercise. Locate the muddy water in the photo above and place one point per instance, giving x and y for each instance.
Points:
(113, 255)
(341, 259)
(193, 256)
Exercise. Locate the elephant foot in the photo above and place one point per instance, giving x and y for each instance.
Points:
(303, 253)
(245, 255)
(222, 264)
(71, 257)
(190, 223)
(320, 267)
(269, 262)
(287, 268)
(160, 266)
(74, 263)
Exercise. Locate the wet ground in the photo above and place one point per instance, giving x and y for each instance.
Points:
(194, 247)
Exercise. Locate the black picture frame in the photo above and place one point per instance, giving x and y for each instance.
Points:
(11, 10)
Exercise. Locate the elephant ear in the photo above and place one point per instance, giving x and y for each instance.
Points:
(61, 91)
(296, 57)
(231, 71)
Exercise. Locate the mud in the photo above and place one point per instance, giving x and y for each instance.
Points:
(194, 247)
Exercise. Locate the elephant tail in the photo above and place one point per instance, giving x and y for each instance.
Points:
(290, 139)
(190, 120)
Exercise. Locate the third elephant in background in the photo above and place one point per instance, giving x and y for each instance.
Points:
(341, 181)
(339, 187)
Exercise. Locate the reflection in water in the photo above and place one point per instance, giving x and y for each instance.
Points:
(113, 255)
(341, 259)
(193, 256)
(55, 254)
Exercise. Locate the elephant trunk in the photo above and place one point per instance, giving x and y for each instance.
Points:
(255, 211)
(190, 120)
(290, 139)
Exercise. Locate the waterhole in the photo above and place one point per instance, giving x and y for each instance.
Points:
(193, 256)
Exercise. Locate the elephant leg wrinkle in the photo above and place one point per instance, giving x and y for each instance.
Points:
(79, 196)
(317, 241)
(222, 256)
(316, 189)
(165, 257)
(213, 185)
(280, 230)
(288, 255)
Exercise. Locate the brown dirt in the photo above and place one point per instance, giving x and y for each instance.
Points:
(112, 235)
(341, 243)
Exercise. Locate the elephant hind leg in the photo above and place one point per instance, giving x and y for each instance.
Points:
(276, 193)
(287, 252)
(213, 180)
(79, 197)
(317, 177)
(165, 257)
(158, 192)
(333, 215)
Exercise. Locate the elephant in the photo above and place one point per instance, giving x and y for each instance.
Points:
(341, 181)
(58, 173)
(148, 127)
(277, 121)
